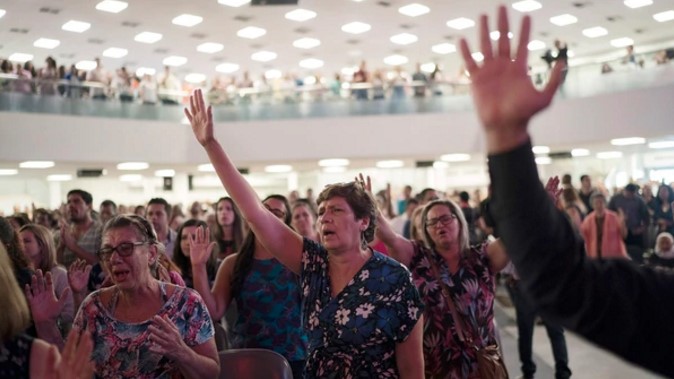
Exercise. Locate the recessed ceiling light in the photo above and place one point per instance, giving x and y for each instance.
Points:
(311, 63)
(543, 160)
(396, 60)
(300, 15)
(356, 27)
(115, 52)
(76, 26)
(46, 43)
(130, 178)
(622, 42)
(278, 168)
(414, 10)
(195, 78)
(540, 149)
(147, 37)
(404, 39)
(306, 43)
(264, 56)
(428, 67)
(227, 68)
(2, 12)
(443, 48)
(133, 166)
(536, 45)
(8, 171)
(59, 177)
(461, 23)
(273, 74)
(526, 6)
(20, 57)
(477, 56)
(142, 71)
(233, 3)
(496, 34)
(661, 145)
(174, 61)
(580, 152)
(86, 65)
(455, 157)
(206, 167)
(165, 173)
(628, 141)
(333, 162)
(112, 6)
(664, 16)
(609, 154)
(187, 20)
(564, 19)
(251, 32)
(595, 32)
(334, 170)
(210, 47)
(637, 3)
(36, 164)
(393, 163)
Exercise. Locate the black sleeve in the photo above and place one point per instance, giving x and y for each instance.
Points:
(614, 303)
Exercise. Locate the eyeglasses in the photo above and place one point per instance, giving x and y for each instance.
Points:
(124, 249)
(277, 212)
(441, 221)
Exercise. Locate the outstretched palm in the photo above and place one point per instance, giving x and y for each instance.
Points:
(200, 117)
(200, 246)
(44, 305)
(78, 275)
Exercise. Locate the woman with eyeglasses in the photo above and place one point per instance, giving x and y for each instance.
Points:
(266, 293)
(142, 327)
(445, 260)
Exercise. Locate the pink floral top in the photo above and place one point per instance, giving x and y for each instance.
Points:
(122, 349)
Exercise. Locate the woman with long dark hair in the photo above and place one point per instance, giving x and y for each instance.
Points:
(229, 232)
(181, 252)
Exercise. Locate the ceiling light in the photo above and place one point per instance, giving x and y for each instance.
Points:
(86, 65)
(174, 61)
(477, 56)
(496, 34)
(133, 166)
(8, 171)
(165, 173)
(36, 164)
(526, 6)
(207, 167)
(404, 39)
(264, 56)
(251, 32)
(536, 45)
(46, 43)
(300, 15)
(356, 27)
(396, 60)
(580, 152)
(187, 20)
(543, 160)
(233, 3)
(609, 154)
(628, 141)
(59, 177)
(76, 26)
(20, 57)
(334, 170)
(443, 48)
(637, 3)
(306, 43)
(428, 67)
(333, 162)
(311, 63)
(394, 163)
(595, 32)
(461, 23)
(664, 16)
(147, 37)
(210, 47)
(142, 71)
(130, 178)
(414, 10)
(2, 12)
(540, 149)
(564, 19)
(227, 68)
(661, 145)
(273, 74)
(278, 168)
(112, 6)
(195, 78)
(115, 52)
(455, 157)
(622, 42)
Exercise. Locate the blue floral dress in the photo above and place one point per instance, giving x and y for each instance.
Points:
(354, 334)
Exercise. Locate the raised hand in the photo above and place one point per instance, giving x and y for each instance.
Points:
(552, 188)
(44, 305)
(78, 275)
(366, 182)
(201, 246)
(504, 95)
(201, 118)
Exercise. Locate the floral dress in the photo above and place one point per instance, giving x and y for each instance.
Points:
(122, 349)
(472, 288)
(354, 334)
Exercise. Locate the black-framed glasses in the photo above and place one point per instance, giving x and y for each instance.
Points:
(441, 221)
(277, 212)
(124, 249)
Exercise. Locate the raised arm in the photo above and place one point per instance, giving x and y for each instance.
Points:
(218, 298)
(277, 238)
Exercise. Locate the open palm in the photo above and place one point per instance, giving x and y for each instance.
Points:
(201, 246)
(78, 275)
(200, 117)
(44, 305)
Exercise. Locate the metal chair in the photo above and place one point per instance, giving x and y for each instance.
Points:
(253, 364)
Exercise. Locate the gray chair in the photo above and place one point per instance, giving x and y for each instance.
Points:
(253, 364)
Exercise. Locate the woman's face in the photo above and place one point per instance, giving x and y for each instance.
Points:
(339, 229)
(277, 207)
(663, 193)
(31, 248)
(132, 271)
(303, 220)
(225, 213)
(442, 226)
(187, 233)
(664, 244)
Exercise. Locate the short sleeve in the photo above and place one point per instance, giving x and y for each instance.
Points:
(409, 306)
(194, 320)
(83, 317)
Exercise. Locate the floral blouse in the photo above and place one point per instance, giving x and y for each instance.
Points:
(354, 334)
(472, 288)
(122, 349)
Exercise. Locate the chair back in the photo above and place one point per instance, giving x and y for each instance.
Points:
(220, 337)
(253, 364)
